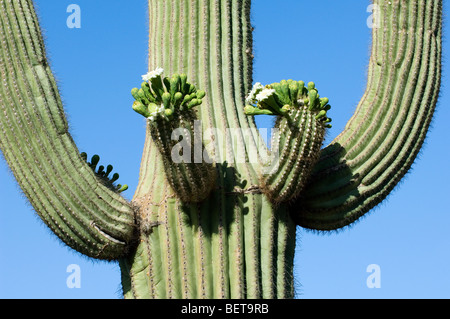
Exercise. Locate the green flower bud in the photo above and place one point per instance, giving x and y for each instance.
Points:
(142, 98)
(321, 114)
(184, 87)
(115, 177)
(109, 169)
(194, 102)
(141, 109)
(201, 94)
(175, 83)
(187, 99)
(178, 97)
(121, 188)
(313, 96)
(282, 94)
(284, 86)
(301, 88)
(166, 97)
(166, 82)
(251, 110)
(148, 93)
(153, 108)
(94, 161)
(168, 113)
(157, 86)
(192, 88)
(134, 93)
(293, 91)
(101, 170)
(323, 101)
(286, 108)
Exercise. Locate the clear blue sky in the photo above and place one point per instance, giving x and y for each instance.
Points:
(408, 235)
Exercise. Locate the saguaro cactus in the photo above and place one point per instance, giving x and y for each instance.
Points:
(215, 212)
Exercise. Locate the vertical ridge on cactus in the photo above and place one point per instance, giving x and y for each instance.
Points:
(224, 227)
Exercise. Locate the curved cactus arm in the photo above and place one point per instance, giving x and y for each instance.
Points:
(379, 144)
(299, 133)
(34, 139)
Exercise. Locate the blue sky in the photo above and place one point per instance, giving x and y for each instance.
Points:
(407, 236)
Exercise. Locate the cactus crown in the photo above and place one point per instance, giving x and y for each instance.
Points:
(285, 96)
(162, 97)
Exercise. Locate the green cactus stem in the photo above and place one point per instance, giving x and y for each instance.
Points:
(366, 161)
(299, 133)
(34, 139)
(169, 104)
(224, 227)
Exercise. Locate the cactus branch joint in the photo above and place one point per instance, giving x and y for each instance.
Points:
(215, 213)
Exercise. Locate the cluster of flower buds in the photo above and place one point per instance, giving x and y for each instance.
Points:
(281, 98)
(162, 97)
(103, 173)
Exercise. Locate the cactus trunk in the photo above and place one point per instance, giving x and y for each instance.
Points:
(230, 245)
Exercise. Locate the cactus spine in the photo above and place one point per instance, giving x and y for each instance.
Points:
(220, 226)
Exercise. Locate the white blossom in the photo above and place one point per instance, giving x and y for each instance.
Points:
(154, 115)
(152, 74)
(264, 94)
(255, 90)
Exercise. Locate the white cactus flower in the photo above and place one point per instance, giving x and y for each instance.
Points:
(255, 90)
(152, 74)
(264, 94)
(153, 116)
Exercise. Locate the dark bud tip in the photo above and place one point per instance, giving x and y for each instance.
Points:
(109, 169)
(115, 177)
(94, 160)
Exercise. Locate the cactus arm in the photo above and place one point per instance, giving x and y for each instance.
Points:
(34, 139)
(170, 104)
(379, 144)
(299, 133)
